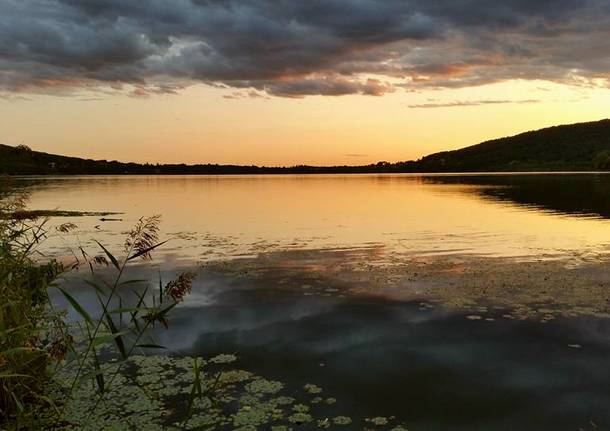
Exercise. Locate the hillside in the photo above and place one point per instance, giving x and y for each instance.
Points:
(577, 147)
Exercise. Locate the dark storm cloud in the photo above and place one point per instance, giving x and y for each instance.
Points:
(298, 48)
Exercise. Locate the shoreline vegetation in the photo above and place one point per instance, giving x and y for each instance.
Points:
(576, 147)
(38, 343)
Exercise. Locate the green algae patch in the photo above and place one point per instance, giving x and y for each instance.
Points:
(223, 359)
(283, 400)
(324, 423)
(300, 418)
(482, 287)
(378, 421)
(300, 408)
(262, 386)
(155, 393)
(312, 389)
(342, 420)
(251, 416)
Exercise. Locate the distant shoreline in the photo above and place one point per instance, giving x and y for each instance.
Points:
(414, 174)
(583, 147)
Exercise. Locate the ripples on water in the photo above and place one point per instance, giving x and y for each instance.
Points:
(208, 217)
(451, 302)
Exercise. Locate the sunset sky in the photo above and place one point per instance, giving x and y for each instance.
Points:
(288, 82)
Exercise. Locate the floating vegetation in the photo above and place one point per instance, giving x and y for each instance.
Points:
(300, 418)
(484, 288)
(223, 359)
(378, 421)
(312, 389)
(152, 393)
(284, 401)
(300, 408)
(342, 420)
(324, 423)
(262, 386)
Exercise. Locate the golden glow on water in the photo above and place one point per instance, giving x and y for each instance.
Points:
(213, 216)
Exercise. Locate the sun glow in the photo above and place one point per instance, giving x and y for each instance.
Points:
(202, 124)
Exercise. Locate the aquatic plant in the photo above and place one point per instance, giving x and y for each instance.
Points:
(156, 389)
(342, 420)
(378, 421)
(312, 389)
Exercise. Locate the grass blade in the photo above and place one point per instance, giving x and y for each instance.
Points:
(146, 251)
(110, 256)
(99, 376)
(74, 303)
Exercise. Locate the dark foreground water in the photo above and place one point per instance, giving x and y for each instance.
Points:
(509, 343)
(433, 369)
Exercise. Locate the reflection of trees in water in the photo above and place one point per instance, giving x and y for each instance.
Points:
(577, 194)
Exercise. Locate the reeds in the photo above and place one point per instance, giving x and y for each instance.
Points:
(32, 334)
(35, 340)
(129, 308)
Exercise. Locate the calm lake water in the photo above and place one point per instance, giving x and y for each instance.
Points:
(318, 279)
(208, 217)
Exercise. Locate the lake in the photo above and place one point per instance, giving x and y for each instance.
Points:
(440, 302)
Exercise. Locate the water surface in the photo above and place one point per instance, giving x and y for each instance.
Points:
(473, 302)
(207, 217)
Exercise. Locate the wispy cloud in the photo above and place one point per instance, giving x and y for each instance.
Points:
(299, 48)
(463, 103)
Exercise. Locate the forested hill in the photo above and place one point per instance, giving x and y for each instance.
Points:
(577, 147)
(21, 160)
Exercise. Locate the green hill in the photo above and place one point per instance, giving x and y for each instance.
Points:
(576, 147)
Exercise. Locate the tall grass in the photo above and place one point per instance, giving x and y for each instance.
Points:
(32, 335)
(36, 341)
